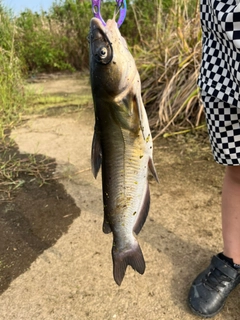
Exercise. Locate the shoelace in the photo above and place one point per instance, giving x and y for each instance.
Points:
(215, 278)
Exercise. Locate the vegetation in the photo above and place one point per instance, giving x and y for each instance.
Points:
(12, 96)
(164, 38)
(13, 102)
(169, 66)
(15, 167)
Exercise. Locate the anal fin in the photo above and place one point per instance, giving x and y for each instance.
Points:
(153, 169)
(143, 212)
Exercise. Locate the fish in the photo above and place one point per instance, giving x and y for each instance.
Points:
(122, 144)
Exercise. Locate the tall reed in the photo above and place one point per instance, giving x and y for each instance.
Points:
(12, 94)
(169, 66)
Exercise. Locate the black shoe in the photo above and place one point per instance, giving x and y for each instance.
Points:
(211, 288)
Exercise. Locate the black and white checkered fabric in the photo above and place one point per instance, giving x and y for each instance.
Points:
(220, 68)
(219, 77)
(223, 121)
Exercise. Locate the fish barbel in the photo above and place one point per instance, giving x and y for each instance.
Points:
(122, 144)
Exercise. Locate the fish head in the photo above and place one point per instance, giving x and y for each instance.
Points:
(112, 66)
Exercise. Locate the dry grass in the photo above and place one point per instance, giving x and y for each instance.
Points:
(169, 68)
(15, 167)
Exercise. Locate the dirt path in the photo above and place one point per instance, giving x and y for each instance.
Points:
(72, 278)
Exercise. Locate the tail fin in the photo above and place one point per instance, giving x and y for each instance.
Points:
(121, 259)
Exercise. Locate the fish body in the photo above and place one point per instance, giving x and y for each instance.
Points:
(122, 144)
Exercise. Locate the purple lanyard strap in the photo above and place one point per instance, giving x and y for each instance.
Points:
(121, 5)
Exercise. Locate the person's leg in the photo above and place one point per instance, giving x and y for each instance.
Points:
(211, 287)
(231, 213)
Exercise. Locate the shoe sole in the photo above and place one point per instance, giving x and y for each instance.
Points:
(204, 315)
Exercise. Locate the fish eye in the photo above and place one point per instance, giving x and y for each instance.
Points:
(101, 47)
(102, 52)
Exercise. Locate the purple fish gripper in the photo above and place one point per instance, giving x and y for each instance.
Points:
(121, 5)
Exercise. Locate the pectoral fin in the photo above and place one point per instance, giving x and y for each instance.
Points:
(96, 156)
(153, 169)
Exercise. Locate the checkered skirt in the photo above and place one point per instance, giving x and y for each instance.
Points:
(219, 77)
(223, 122)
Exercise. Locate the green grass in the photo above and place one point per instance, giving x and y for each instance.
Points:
(59, 103)
(13, 97)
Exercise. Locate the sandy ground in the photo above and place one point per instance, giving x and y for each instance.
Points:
(73, 278)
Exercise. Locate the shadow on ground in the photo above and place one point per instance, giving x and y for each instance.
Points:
(31, 221)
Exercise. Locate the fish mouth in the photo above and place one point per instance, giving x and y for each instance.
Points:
(96, 24)
(100, 45)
